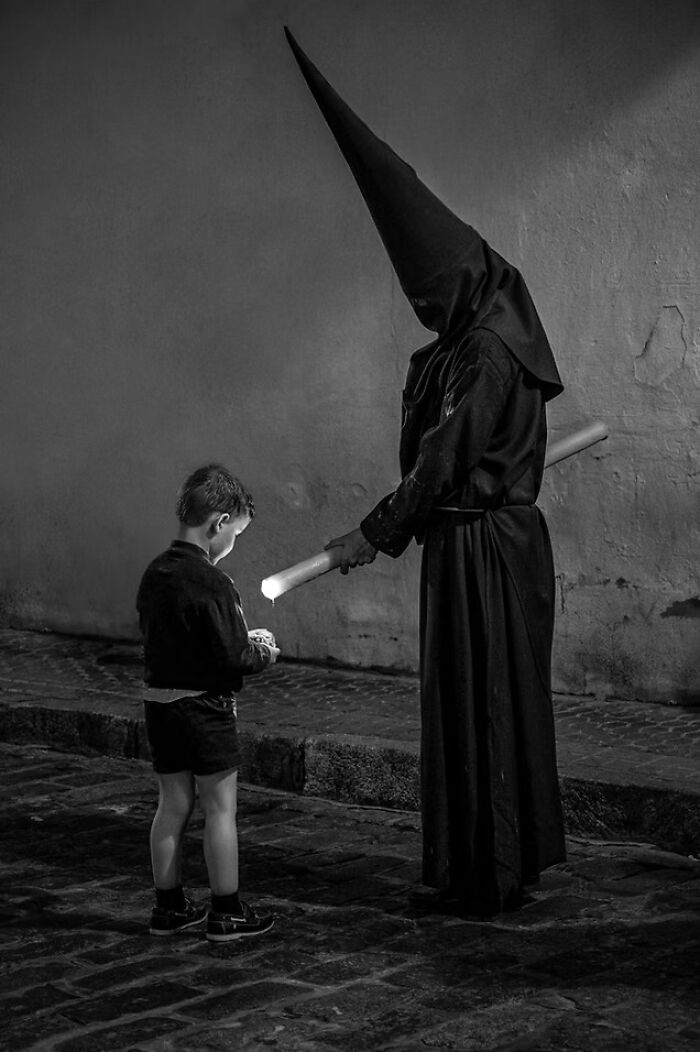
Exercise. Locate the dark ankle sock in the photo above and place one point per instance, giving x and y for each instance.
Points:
(170, 898)
(227, 904)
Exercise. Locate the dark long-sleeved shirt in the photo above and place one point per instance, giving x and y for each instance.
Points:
(194, 630)
(481, 445)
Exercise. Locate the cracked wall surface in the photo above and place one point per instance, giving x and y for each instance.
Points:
(189, 273)
(665, 350)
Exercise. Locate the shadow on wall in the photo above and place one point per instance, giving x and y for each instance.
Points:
(602, 53)
(526, 79)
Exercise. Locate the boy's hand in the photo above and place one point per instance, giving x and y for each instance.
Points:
(274, 652)
(261, 635)
(356, 549)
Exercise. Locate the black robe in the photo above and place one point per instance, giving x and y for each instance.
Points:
(473, 442)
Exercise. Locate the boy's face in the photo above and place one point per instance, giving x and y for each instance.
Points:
(223, 533)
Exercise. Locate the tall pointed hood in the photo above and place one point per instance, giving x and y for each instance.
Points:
(451, 276)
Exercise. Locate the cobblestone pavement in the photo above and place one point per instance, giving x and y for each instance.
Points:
(606, 958)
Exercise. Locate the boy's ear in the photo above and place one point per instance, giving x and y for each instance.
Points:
(216, 521)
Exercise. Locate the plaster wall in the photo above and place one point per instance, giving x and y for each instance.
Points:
(189, 273)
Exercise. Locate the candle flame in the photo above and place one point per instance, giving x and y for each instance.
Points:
(271, 588)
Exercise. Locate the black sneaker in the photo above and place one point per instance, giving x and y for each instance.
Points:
(170, 922)
(225, 927)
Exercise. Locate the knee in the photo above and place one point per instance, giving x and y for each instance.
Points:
(218, 797)
(219, 809)
(174, 811)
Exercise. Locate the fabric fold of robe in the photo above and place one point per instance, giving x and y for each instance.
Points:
(491, 808)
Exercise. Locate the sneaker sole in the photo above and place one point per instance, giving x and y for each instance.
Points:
(239, 934)
(174, 931)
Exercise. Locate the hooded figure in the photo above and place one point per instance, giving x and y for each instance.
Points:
(472, 448)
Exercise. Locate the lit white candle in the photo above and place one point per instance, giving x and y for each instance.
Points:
(279, 583)
(300, 573)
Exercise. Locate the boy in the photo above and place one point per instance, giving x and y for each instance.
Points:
(197, 649)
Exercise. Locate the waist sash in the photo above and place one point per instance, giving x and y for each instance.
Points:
(454, 514)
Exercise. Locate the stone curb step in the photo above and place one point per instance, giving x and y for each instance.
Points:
(366, 771)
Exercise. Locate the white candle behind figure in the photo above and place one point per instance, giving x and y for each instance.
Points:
(283, 581)
(570, 444)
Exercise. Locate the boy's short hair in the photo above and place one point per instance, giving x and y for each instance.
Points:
(212, 488)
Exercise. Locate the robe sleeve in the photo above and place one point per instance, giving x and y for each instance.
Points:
(475, 394)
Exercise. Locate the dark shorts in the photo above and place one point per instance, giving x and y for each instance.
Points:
(197, 733)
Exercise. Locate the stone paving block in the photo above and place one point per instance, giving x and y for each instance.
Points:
(273, 760)
(555, 908)
(26, 776)
(254, 1032)
(27, 1032)
(364, 771)
(668, 817)
(358, 999)
(142, 999)
(34, 999)
(250, 995)
(386, 1030)
(683, 897)
(125, 1035)
(516, 1023)
(125, 974)
(437, 973)
(116, 949)
(23, 944)
(338, 971)
(107, 734)
(284, 953)
(344, 872)
(21, 978)
(229, 974)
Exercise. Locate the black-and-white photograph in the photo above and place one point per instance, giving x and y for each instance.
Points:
(349, 562)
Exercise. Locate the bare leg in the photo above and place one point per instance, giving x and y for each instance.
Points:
(175, 805)
(218, 795)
